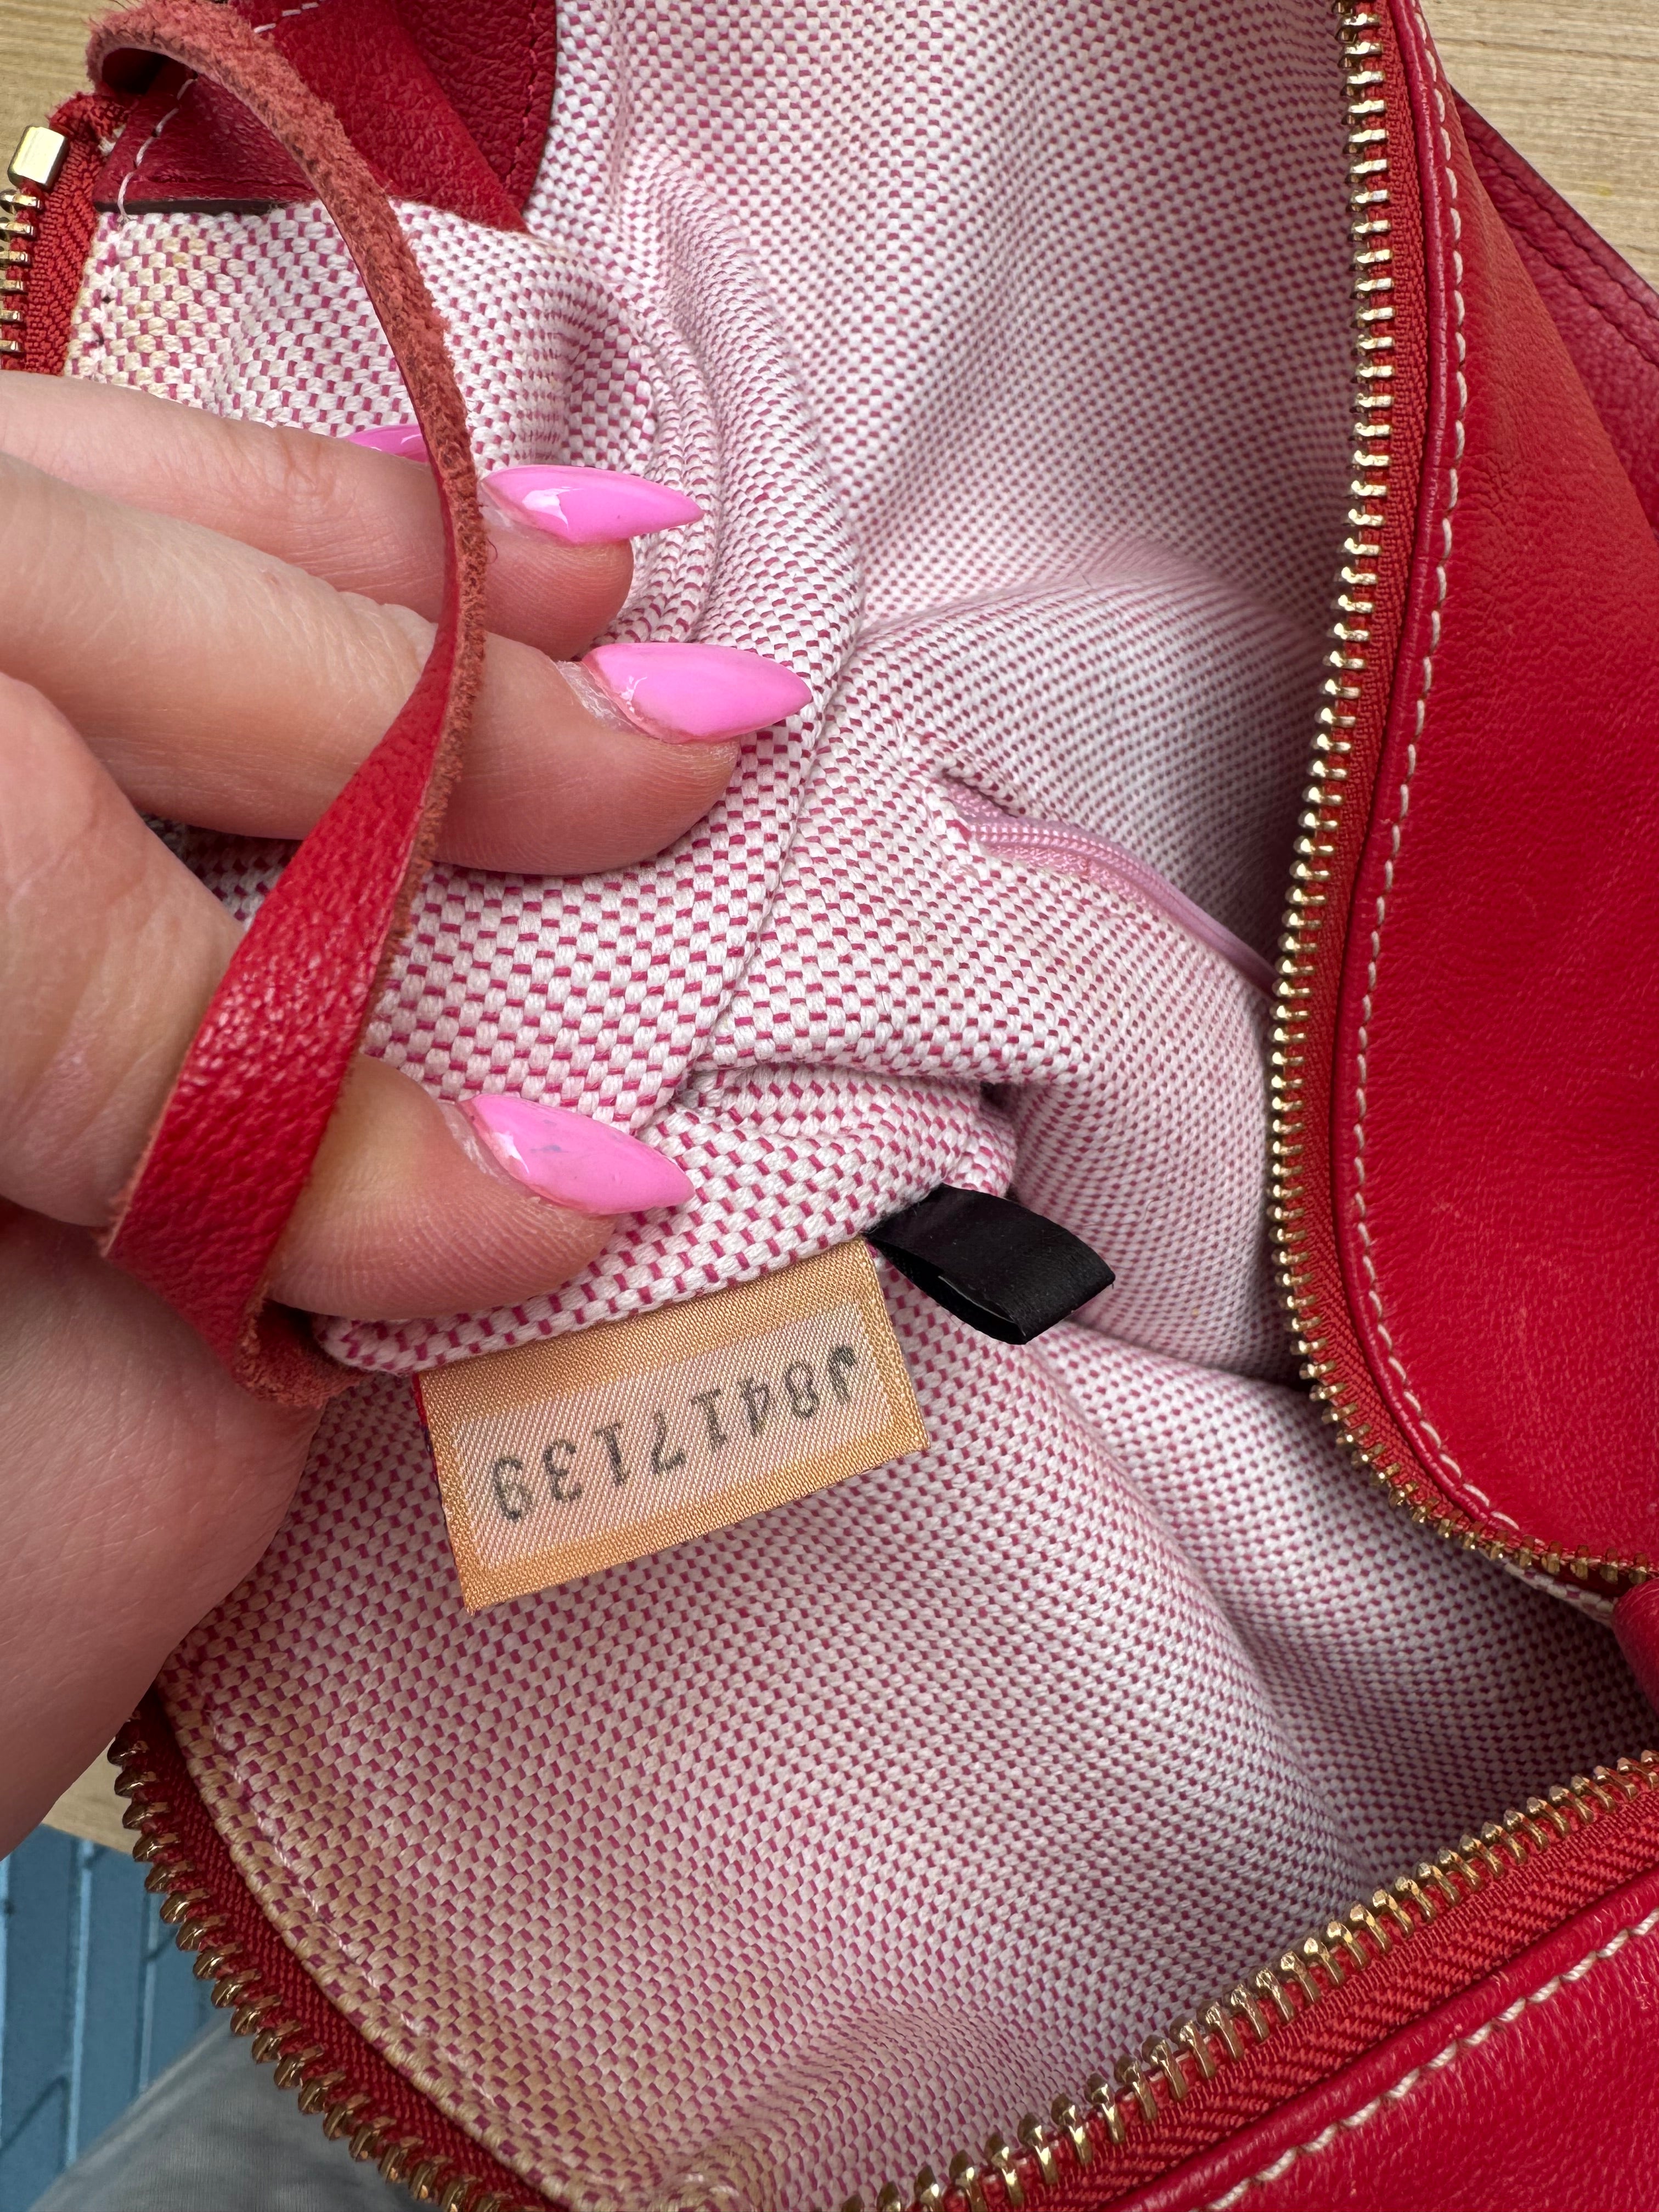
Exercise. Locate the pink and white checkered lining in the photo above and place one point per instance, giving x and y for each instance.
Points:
(1007, 347)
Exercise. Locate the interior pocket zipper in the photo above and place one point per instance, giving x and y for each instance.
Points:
(1068, 850)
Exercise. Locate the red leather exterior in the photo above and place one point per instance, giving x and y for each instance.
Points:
(1494, 1063)
(448, 106)
(1539, 2086)
(1500, 1040)
(236, 1140)
(1608, 316)
(495, 64)
(1248, 2114)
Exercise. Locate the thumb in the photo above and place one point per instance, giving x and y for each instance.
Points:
(109, 952)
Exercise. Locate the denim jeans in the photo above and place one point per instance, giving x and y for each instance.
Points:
(213, 2134)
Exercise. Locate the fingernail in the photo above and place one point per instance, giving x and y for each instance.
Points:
(696, 693)
(404, 438)
(589, 506)
(584, 1165)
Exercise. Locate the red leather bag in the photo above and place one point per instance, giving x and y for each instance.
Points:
(1461, 1067)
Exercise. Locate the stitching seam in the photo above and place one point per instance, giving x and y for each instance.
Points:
(1414, 2079)
(138, 158)
(1636, 295)
(1373, 1291)
(282, 14)
(1573, 275)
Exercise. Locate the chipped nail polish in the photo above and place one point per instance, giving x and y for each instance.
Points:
(696, 694)
(572, 1159)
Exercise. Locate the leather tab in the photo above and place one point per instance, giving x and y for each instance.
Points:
(447, 107)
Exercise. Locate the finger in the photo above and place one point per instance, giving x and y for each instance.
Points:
(223, 688)
(358, 518)
(109, 952)
(141, 1485)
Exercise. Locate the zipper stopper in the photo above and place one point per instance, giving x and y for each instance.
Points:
(38, 157)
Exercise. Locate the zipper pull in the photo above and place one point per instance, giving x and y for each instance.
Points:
(33, 171)
(38, 157)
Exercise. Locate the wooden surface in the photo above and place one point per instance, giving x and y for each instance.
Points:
(43, 46)
(90, 1807)
(1574, 86)
(1573, 83)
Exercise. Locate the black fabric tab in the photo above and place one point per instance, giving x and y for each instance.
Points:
(1005, 1272)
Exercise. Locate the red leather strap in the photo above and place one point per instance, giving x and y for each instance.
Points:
(235, 1143)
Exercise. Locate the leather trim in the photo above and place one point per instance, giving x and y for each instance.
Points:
(447, 107)
(1537, 2084)
(1498, 1049)
(1475, 1275)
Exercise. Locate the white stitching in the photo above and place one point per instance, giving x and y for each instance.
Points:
(304, 8)
(1447, 2057)
(282, 14)
(1373, 1288)
(138, 158)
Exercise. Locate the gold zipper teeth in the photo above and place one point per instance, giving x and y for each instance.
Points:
(1044, 2154)
(277, 2039)
(1142, 2089)
(17, 206)
(1321, 825)
(33, 169)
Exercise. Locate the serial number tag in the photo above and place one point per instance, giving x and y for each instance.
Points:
(559, 1458)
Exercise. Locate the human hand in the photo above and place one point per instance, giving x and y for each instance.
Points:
(215, 622)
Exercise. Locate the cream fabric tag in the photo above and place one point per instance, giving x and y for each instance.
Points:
(559, 1458)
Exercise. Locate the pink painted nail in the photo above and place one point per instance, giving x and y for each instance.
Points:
(696, 693)
(402, 438)
(584, 1165)
(589, 506)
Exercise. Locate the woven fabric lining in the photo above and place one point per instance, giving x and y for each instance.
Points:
(1007, 348)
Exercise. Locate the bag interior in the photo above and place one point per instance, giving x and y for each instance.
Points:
(1009, 351)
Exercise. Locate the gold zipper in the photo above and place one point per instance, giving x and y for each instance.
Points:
(240, 1988)
(32, 171)
(1349, 662)
(1127, 2103)
(1141, 2089)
